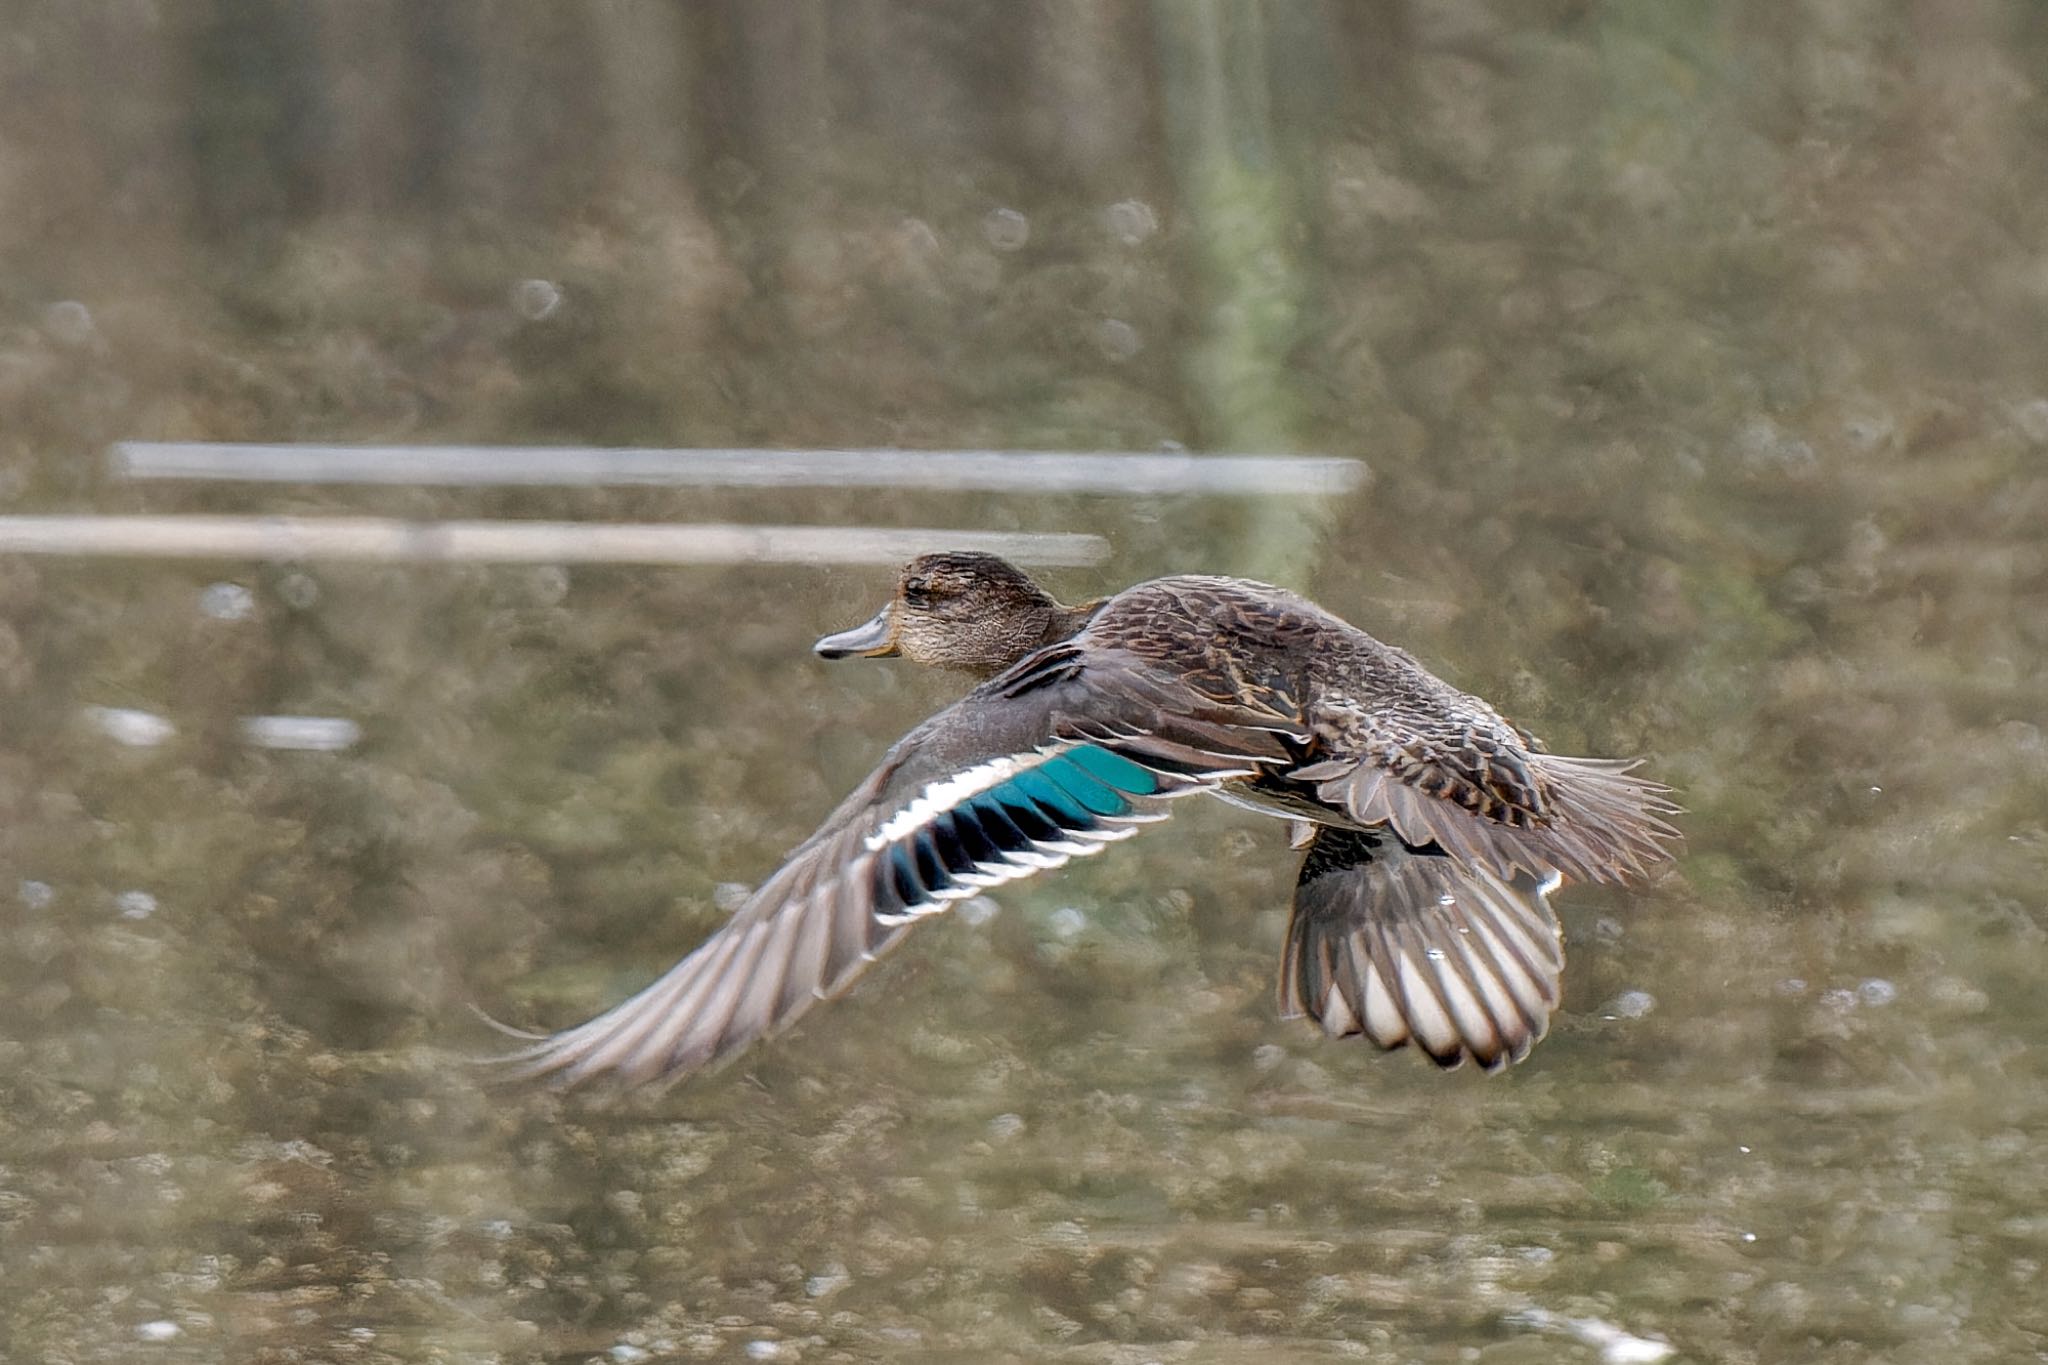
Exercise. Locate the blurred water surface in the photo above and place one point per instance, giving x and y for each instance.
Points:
(1700, 358)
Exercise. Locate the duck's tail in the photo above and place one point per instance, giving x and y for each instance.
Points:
(1401, 946)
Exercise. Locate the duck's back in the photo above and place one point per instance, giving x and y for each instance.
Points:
(1239, 638)
(1189, 620)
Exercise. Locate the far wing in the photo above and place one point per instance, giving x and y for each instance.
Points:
(1407, 947)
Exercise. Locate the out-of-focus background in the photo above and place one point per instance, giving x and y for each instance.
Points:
(1696, 358)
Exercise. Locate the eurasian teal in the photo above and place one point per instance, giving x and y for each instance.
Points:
(1435, 829)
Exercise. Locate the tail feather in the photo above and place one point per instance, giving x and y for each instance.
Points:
(1600, 823)
(1404, 947)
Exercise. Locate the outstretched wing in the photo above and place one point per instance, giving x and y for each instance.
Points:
(1005, 783)
(1410, 947)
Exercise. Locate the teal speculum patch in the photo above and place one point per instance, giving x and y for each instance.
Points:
(1113, 769)
(1031, 812)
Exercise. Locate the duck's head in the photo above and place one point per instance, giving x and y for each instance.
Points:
(959, 609)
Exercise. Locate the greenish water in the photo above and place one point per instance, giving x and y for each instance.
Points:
(1698, 360)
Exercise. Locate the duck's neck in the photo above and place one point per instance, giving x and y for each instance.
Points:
(1064, 622)
(1026, 633)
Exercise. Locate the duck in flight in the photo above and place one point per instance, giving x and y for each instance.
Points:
(1435, 829)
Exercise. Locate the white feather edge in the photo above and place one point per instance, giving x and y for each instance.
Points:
(939, 797)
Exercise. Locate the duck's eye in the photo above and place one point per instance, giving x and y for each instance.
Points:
(917, 592)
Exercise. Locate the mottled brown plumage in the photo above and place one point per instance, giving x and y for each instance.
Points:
(1436, 827)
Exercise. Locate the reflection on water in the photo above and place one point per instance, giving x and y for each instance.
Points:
(520, 541)
(1011, 471)
(1697, 358)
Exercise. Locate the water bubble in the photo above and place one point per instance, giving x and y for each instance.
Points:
(626, 1353)
(1006, 229)
(979, 909)
(2032, 419)
(135, 904)
(535, 300)
(227, 602)
(915, 240)
(35, 895)
(162, 1329)
(125, 725)
(1131, 221)
(1630, 1005)
(1877, 991)
(1117, 339)
(1447, 899)
(1067, 923)
(298, 590)
(1434, 954)
(764, 1350)
(547, 584)
(1749, 1237)
(69, 323)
